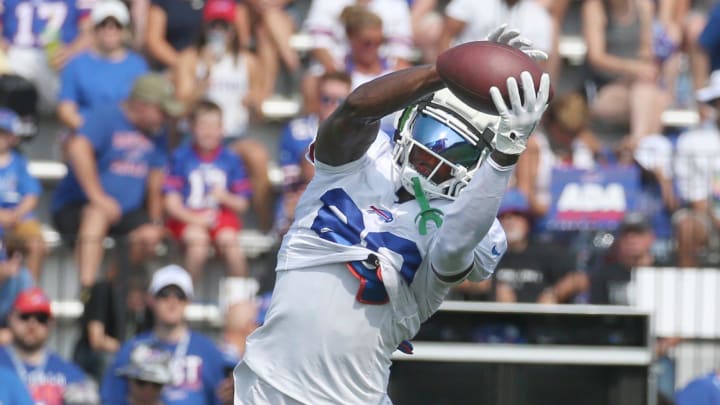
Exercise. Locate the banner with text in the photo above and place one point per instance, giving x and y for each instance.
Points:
(592, 199)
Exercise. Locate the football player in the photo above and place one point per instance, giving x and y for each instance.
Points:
(382, 233)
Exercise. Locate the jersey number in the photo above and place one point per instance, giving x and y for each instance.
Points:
(339, 220)
(202, 181)
(53, 14)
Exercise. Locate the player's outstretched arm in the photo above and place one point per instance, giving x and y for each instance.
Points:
(351, 129)
(469, 218)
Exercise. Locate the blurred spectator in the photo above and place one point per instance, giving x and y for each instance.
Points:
(657, 198)
(625, 72)
(19, 195)
(271, 26)
(294, 142)
(470, 20)
(115, 311)
(48, 377)
(427, 26)
(364, 30)
(331, 46)
(104, 74)
(563, 140)
(697, 171)
(114, 183)
(529, 271)
(557, 9)
(219, 70)
(196, 366)
(146, 375)
(40, 37)
(14, 279)
(610, 276)
(703, 390)
(364, 62)
(12, 390)
(172, 26)
(206, 189)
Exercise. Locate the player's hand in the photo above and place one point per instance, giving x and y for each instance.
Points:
(517, 123)
(511, 37)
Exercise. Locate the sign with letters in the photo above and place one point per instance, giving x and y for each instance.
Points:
(594, 199)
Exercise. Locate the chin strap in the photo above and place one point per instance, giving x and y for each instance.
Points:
(427, 213)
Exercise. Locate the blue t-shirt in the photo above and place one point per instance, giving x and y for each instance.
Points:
(46, 382)
(700, 391)
(9, 290)
(294, 141)
(124, 158)
(195, 374)
(16, 182)
(90, 80)
(24, 21)
(194, 176)
(710, 38)
(12, 390)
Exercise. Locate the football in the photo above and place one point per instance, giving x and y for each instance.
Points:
(471, 69)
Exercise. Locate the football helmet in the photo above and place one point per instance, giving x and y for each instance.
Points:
(441, 141)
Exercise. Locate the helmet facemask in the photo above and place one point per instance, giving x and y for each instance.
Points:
(442, 143)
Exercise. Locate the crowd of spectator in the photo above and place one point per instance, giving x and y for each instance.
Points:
(158, 103)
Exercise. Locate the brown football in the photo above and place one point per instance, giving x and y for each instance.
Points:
(471, 69)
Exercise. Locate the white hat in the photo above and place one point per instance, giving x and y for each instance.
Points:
(712, 90)
(110, 8)
(171, 275)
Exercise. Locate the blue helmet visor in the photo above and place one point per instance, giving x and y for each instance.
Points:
(445, 141)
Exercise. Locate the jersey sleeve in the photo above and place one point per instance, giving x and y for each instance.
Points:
(27, 184)
(113, 389)
(175, 180)
(238, 181)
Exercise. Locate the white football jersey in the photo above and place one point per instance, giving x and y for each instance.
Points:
(335, 320)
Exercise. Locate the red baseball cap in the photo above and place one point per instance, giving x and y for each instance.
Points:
(223, 10)
(32, 300)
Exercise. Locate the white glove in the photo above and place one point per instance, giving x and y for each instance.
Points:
(511, 37)
(516, 124)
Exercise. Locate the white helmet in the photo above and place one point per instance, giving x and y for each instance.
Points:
(442, 141)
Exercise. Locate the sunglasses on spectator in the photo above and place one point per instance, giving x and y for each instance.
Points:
(40, 317)
(327, 100)
(142, 384)
(371, 43)
(168, 292)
